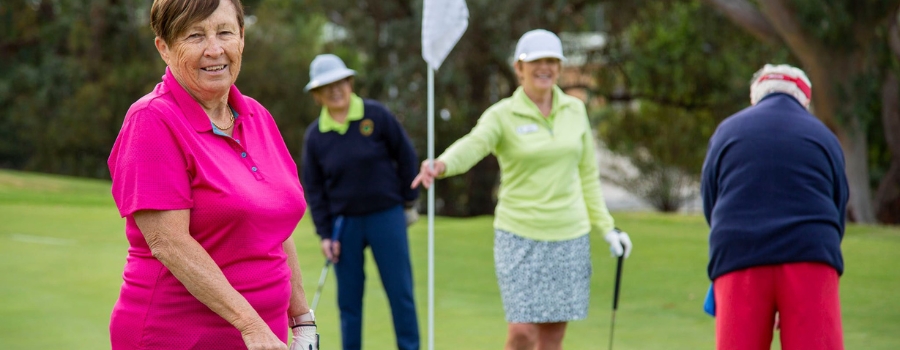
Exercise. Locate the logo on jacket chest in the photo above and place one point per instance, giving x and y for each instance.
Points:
(526, 129)
(366, 127)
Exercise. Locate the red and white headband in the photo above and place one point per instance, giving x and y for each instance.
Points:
(802, 85)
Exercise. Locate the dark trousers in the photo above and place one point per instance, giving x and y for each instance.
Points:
(385, 233)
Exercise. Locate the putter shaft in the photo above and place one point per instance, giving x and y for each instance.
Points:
(612, 323)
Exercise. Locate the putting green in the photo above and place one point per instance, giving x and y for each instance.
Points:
(62, 250)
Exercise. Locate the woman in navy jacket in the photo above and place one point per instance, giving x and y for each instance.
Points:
(357, 164)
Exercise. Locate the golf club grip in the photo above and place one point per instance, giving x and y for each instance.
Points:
(336, 233)
(338, 227)
(619, 262)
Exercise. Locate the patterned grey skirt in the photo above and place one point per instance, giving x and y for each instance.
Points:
(543, 281)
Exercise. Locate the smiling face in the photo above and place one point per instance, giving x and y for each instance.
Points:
(335, 96)
(539, 75)
(206, 57)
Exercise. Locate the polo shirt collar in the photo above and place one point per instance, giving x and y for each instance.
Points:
(523, 105)
(355, 112)
(192, 109)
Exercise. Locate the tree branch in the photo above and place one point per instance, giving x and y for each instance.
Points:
(825, 68)
(9, 48)
(784, 19)
(576, 6)
(625, 97)
(745, 15)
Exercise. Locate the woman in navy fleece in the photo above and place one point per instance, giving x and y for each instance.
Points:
(774, 195)
(357, 164)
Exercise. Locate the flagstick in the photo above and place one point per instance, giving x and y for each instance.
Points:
(431, 211)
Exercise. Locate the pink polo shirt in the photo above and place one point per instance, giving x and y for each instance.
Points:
(244, 197)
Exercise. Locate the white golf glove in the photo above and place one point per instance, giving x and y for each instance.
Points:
(305, 335)
(305, 338)
(619, 243)
(412, 215)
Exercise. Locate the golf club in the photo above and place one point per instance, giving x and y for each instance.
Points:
(335, 237)
(615, 305)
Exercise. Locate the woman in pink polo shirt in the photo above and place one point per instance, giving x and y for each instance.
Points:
(210, 195)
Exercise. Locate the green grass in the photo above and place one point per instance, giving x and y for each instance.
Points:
(62, 250)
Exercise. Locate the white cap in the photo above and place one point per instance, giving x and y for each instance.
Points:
(537, 44)
(326, 69)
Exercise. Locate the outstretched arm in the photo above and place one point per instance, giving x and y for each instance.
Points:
(464, 153)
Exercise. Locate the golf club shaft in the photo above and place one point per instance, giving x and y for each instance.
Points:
(612, 325)
(335, 237)
(322, 277)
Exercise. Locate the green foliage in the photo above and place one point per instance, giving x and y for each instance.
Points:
(74, 68)
(666, 147)
(278, 50)
(830, 20)
(71, 69)
(842, 25)
(674, 72)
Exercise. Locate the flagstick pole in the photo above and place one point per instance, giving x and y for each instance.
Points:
(431, 211)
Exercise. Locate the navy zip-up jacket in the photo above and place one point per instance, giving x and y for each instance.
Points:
(368, 169)
(774, 189)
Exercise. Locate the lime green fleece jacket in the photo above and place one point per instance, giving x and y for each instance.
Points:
(549, 182)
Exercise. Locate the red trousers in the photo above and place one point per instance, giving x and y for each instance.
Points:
(805, 296)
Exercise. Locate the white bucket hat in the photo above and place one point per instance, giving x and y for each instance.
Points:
(326, 69)
(537, 44)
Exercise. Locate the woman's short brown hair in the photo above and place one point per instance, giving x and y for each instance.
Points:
(168, 18)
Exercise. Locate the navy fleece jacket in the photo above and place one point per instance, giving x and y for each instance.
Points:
(774, 189)
(366, 170)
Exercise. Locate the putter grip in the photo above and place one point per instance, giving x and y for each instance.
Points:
(336, 233)
(338, 227)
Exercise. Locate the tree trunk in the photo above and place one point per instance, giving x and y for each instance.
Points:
(836, 112)
(887, 198)
(851, 133)
(856, 155)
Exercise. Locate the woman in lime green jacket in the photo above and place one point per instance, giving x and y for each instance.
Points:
(550, 197)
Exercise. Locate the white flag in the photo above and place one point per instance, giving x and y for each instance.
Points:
(443, 23)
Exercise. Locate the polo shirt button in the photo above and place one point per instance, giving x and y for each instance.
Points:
(253, 169)
(243, 154)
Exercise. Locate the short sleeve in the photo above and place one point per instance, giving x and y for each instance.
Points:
(148, 166)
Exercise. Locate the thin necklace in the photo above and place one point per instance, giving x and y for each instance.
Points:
(229, 125)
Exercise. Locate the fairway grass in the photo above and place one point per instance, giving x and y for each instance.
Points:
(62, 250)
